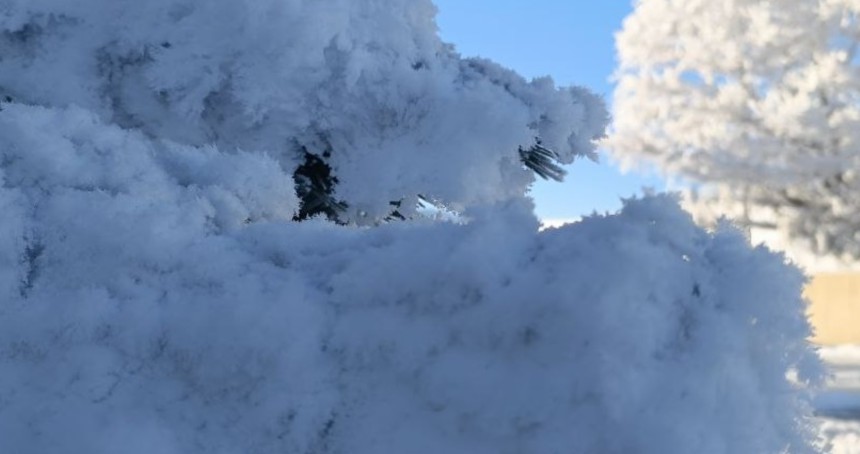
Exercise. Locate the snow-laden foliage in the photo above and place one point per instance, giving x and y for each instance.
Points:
(755, 101)
(367, 85)
(133, 321)
(156, 295)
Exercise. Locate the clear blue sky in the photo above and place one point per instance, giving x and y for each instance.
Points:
(571, 41)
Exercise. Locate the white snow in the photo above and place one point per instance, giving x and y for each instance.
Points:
(369, 82)
(844, 435)
(156, 296)
(555, 223)
(839, 404)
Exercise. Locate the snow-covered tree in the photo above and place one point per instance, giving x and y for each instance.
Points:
(363, 113)
(755, 103)
(157, 295)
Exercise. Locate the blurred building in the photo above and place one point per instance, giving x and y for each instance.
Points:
(833, 291)
(835, 307)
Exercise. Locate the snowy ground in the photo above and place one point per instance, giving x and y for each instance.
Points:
(840, 404)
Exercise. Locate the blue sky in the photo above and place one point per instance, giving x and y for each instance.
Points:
(570, 41)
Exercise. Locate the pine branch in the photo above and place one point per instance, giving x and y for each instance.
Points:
(315, 186)
(543, 162)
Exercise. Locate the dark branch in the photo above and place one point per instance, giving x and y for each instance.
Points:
(543, 162)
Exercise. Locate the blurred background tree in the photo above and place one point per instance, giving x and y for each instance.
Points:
(753, 107)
